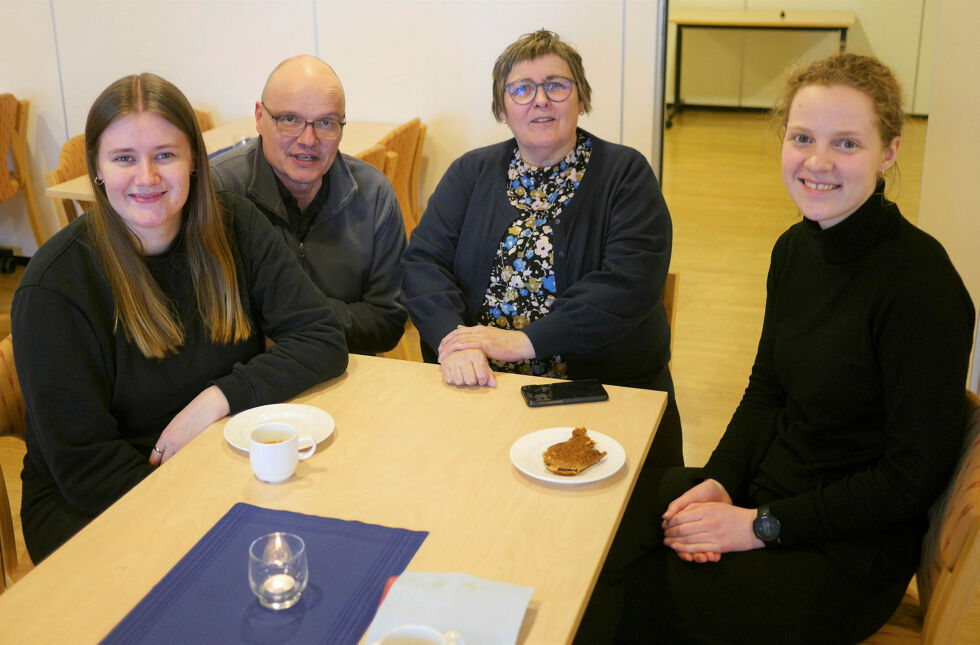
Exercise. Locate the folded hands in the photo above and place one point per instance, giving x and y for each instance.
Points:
(703, 523)
(464, 353)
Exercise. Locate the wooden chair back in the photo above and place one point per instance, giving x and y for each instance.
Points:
(403, 141)
(375, 155)
(14, 116)
(669, 297)
(949, 575)
(384, 160)
(11, 398)
(11, 423)
(948, 578)
(8, 549)
(391, 164)
(71, 164)
(204, 119)
(9, 111)
(413, 186)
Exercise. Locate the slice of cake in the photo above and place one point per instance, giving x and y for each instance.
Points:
(573, 456)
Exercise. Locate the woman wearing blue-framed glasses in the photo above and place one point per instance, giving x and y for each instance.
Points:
(546, 254)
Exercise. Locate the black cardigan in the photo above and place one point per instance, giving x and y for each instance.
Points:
(611, 248)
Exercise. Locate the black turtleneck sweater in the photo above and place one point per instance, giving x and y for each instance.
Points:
(852, 419)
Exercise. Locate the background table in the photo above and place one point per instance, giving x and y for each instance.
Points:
(839, 21)
(358, 136)
(408, 452)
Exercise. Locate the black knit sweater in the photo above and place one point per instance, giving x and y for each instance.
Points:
(851, 422)
(96, 405)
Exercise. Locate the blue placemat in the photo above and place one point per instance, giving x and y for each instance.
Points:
(205, 598)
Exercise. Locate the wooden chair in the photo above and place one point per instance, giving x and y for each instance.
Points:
(384, 160)
(391, 165)
(403, 141)
(375, 155)
(947, 609)
(13, 137)
(204, 119)
(413, 186)
(71, 164)
(407, 348)
(11, 423)
(669, 297)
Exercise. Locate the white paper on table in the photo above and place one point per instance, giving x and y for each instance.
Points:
(484, 612)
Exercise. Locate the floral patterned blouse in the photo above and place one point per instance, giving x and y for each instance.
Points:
(522, 278)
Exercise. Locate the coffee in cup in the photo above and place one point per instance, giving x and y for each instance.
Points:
(275, 451)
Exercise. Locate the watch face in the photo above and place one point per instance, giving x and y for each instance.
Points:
(766, 528)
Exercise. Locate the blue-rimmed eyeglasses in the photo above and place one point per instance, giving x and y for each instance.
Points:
(556, 88)
(290, 125)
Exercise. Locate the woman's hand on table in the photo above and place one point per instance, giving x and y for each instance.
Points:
(206, 408)
(466, 367)
(499, 344)
(703, 523)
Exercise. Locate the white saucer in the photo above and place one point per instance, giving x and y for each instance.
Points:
(526, 455)
(308, 421)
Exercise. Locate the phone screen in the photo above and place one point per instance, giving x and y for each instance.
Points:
(564, 393)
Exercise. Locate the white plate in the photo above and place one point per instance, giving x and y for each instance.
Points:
(526, 455)
(308, 421)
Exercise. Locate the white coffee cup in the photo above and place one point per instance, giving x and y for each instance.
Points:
(274, 451)
(419, 635)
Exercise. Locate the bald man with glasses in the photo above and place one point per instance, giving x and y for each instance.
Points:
(338, 214)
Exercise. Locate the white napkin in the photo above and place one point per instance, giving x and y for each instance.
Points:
(484, 612)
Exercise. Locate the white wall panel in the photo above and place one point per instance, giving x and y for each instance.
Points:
(642, 122)
(948, 201)
(218, 53)
(440, 59)
(397, 60)
(927, 57)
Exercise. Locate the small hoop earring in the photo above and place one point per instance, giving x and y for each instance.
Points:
(194, 173)
(99, 181)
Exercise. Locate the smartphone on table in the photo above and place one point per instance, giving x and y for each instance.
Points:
(564, 392)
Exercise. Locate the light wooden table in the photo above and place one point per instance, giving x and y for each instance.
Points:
(839, 21)
(408, 452)
(358, 137)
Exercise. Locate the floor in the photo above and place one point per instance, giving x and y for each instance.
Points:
(726, 197)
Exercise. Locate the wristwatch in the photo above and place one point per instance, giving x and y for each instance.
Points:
(765, 526)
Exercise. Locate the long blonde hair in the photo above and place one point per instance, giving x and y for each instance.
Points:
(145, 313)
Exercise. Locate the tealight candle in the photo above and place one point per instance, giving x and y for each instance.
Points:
(278, 584)
(278, 570)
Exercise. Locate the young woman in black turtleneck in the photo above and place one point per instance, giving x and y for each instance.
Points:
(805, 524)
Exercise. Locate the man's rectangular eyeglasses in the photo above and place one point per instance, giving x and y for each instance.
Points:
(290, 125)
(556, 88)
